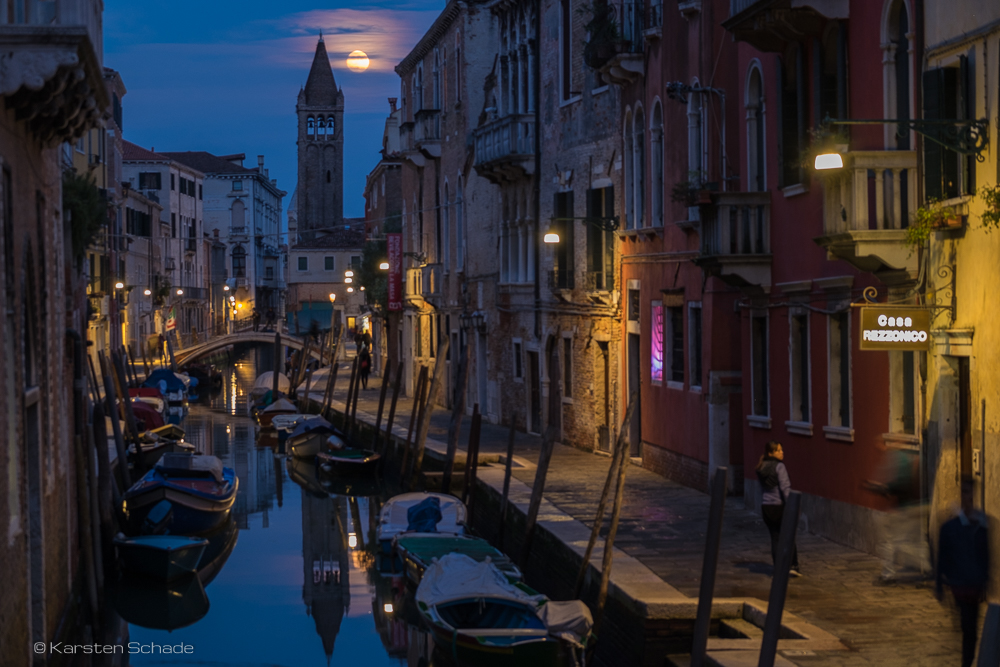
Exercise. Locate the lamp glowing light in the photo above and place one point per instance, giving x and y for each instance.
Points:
(348, 280)
(352, 540)
(119, 285)
(829, 161)
(147, 292)
(350, 290)
(239, 305)
(180, 292)
(550, 237)
(348, 274)
(333, 297)
(362, 288)
(225, 288)
(387, 607)
(384, 266)
(357, 61)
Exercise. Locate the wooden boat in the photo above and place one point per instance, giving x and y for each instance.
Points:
(221, 543)
(161, 605)
(417, 551)
(285, 424)
(349, 462)
(169, 431)
(172, 385)
(282, 406)
(265, 383)
(395, 516)
(309, 437)
(183, 494)
(163, 557)
(152, 452)
(146, 415)
(481, 618)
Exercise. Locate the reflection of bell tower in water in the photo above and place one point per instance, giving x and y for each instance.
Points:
(320, 111)
(326, 586)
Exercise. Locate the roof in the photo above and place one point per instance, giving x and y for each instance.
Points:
(336, 238)
(134, 153)
(321, 88)
(430, 38)
(207, 163)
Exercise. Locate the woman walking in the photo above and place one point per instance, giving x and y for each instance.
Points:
(364, 366)
(775, 487)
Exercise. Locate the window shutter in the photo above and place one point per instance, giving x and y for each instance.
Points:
(933, 151)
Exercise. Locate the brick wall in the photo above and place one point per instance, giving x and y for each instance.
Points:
(677, 467)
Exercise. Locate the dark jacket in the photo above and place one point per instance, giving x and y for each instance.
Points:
(774, 482)
(963, 553)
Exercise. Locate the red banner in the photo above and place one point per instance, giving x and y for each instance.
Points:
(395, 244)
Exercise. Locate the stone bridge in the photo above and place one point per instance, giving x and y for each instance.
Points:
(217, 343)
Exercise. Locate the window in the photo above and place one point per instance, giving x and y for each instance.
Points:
(798, 352)
(902, 392)
(303, 263)
(518, 369)
(694, 321)
(239, 262)
(149, 180)
(436, 79)
(458, 68)
(830, 70)
(567, 367)
(566, 49)
(446, 231)
(173, 225)
(171, 182)
(600, 244)
(628, 165)
(759, 365)
(239, 215)
(564, 226)
(675, 321)
(459, 226)
(656, 147)
(268, 273)
(639, 173)
(199, 192)
(310, 126)
(756, 152)
(656, 343)
(633, 305)
(328, 264)
(792, 116)
(948, 93)
(840, 370)
(355, 262)
(897, 61)
(237, 185)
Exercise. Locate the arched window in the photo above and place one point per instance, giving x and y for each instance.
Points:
(756, 145)
(639, 177)
(458, 67)
(311, 126)
(330, 126)
(239, 262)
(628, 165)
(327, 175)
(437, 79)
(459, 226)
(897, 69)
(419, 91)
(239, 215)
(656, 147)
(446, 229)
(321, 127)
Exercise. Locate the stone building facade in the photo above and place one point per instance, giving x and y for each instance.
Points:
(320, 141)
(43, 299)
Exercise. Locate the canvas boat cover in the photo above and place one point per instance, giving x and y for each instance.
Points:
(458, 577)
(287, 422)
(393, 518)
(310, 424)
(281, 405)
(424, 516)
(265, 381)
(193, 463)
(172, 381)
(570, 621)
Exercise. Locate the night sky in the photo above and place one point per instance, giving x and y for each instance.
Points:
(222, 75)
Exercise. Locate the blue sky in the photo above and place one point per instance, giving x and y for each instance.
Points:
(222, 75)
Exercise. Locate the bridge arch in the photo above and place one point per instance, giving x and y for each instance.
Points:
(221, 342)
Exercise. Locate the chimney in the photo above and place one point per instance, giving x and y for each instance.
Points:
(265, 174)
(392, 104)
(260, 163)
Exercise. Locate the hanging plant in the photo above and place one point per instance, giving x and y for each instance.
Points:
(929, 217)
(991, 213)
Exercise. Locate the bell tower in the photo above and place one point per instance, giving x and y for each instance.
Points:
(320, 112)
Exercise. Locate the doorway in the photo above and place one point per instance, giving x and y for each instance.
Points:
(602, 383)
(964, 418)
(635, 424)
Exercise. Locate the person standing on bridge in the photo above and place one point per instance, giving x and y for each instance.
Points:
(256, 319)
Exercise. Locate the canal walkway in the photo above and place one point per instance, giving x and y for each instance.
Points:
(662, 532)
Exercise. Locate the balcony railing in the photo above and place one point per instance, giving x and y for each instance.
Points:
(505, 147)
(238, 232)
(428, 126)
(190, 245)
(195, 293)
(871, 234)
(431, 280)
(736, 239)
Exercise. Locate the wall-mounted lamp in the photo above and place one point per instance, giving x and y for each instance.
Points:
(333, 297)
(348, 280)
(384, 266)
(348, 274)
(350, 290)
(225, 288)
(180, 292)
(147, 292)
(119, 285)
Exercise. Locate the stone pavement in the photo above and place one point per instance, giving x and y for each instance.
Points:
(663, 524)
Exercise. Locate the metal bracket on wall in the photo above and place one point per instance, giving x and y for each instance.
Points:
(943, 297)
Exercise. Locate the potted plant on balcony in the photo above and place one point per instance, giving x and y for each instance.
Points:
(929, 217)
(694, 191)
(605, 35)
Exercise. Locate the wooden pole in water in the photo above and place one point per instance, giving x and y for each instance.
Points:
(87, 538)
(544, 457)
(506, 481)
(345, 424)
(455, 426)
(109, 395)
(277, 364)
(467, 473)
(617, 457)
(392, 409)
(127, 404)
(473, 463)
(305, 401)
(713, 539)
(432, 396)
(131, 364)
(381, 404)
(331, 382)
(779, 582)
(145, 362)
(417, 399)
(354, 400)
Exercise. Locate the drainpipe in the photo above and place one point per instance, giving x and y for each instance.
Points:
(536, 86)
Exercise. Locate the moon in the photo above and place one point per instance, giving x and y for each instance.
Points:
(357, 61)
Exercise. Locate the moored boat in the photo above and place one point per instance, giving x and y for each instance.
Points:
(309, 437)
(183, 494)
(395, 517)
(160, 605)
(172, 385)
(154, 451)
(481, 618)
(418, 551)
(163, 557)
(282, 406)
(349, 462)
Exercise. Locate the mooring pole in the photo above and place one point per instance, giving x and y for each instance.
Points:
(392, 410)
(472, 462)
(425, 414)
(544, 457)
(386, 372)
(779, 582)
(709, 566)
(350, 393)
(455, 425)
(467, 473)
(277, 365)
(506, 479)
(417, 400)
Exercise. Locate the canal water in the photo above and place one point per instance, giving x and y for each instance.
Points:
(294, 581)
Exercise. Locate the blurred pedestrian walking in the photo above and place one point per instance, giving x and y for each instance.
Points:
(903, 546)
(364, 366)
(775, 487)
(255, 317)
(964, 566)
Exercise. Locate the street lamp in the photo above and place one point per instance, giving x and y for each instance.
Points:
(147, 292)
(119, 285)
(333, 297)
(384, 266)
(362, 288)
(225, 288)
(605, 224)
(350, 290)
(180, 292)
(348, 274)
(348, 280)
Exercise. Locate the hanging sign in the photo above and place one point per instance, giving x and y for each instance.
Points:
(895, 328)
(395, 249)
(172, 320)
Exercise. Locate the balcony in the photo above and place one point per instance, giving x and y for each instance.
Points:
(190, 246)
(770, 25)
(432, 284)
(195, 293)
(53, 78)
(871, 234)
(736, 239)
(505, 148)
(239, 234)
(427, 132)
(617, 39)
